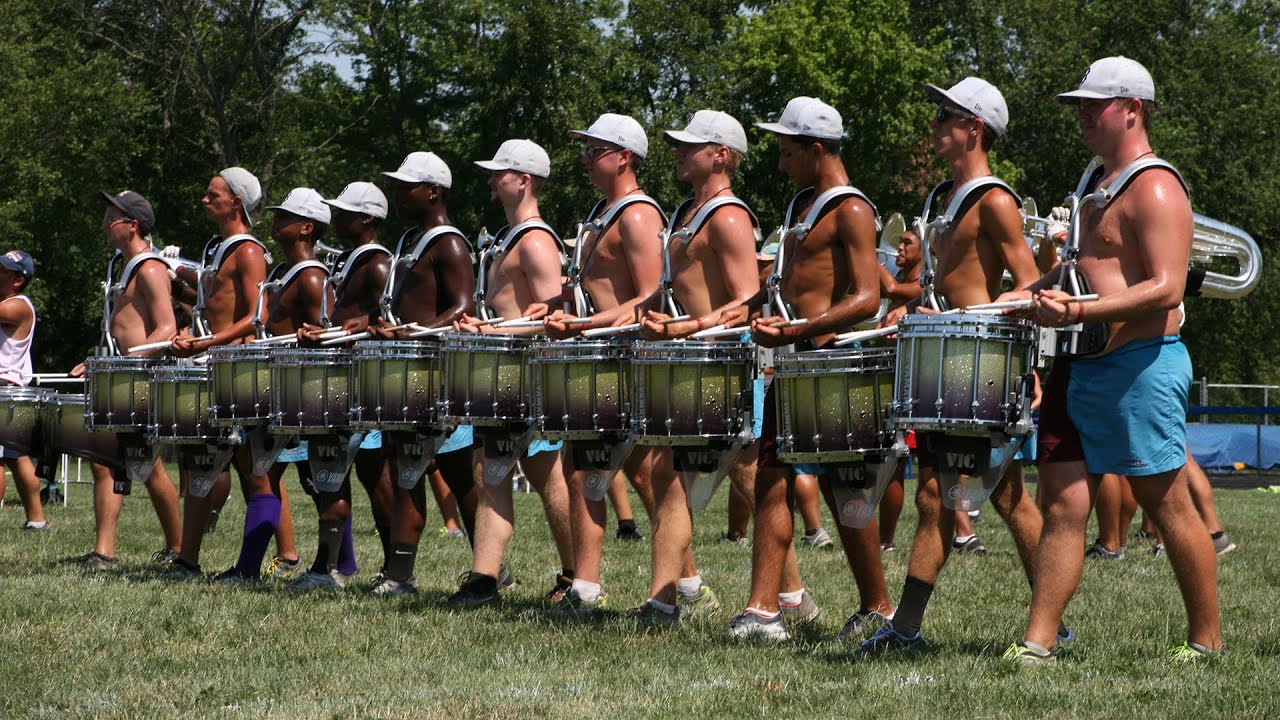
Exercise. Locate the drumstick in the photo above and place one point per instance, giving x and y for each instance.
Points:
(492, 321)
(339, 339)
(577, 321)
(790, 323)
(522, 323)
(333, 333)
(618, 330)
(431, 331)
(676, 319)
(860, 335)
(275, 339)
(162, 345)
(1024, 304)
(720, 331)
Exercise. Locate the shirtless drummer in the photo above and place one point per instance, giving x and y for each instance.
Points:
(141, 313)
(972, 255)
(525, 269)
(359, 276)
(1100, 410)
(435, 291)
(621, 267)
(832, 280)
(711, 271)
(237, 264)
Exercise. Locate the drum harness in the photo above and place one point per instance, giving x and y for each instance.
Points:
(926, 229)
(215, 253)
(111, 287)
(597, 224)
(794, 233)
(340, 275)
(495, 247)
(685, 234)
(401, 262)
(1084, 339)
(275, 283)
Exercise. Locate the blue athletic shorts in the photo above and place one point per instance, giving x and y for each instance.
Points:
(1027, 453)
(372, 440)
(540, 446)
(1130, 407)
(461, 438)
(757, 407)
(293, 454)
(809, 469)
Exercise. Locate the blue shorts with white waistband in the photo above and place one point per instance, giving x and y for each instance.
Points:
(537, 447)
(372, 440)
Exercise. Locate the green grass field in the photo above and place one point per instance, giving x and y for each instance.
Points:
(125, 644)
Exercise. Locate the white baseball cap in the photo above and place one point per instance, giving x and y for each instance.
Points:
(246, 186)
(1114, 77)
(712, 126)
(524, 156)
(423, 167)
(361, 197)
(621, 130)
(976, 96)
(809, 117)
(305, 203)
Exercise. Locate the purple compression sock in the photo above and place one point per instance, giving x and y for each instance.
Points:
(261, 520)
(347, 553)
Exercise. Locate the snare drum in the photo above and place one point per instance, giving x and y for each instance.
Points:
(398, 384)
(485, 382)
(580, 388)
(312, 391)
(20, 416)
(832, 404)
(240, 385)
(689, 392)
(62, 417)
(180, 404)
(119, 392)
(963, 374)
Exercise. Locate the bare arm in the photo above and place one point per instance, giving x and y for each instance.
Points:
(311, 288)
(642, 248)
(856, 232)
(1000, 218)
(153, 285)
(898, 292)
(249, 268)
(451, 262)
(732, 240)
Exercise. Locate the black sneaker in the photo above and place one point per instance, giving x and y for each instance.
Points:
(972, 546)
(165, 557)
(628, 533)
(477, 591)
(96, 561)
(563, 583)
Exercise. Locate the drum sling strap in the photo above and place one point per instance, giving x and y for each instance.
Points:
(687, 233)
(507, 238)
(343, 266)
(599, 226)
(797, 232)
(112, 287)
(276, 283)
(214, 255)
(1092, 337)
(971, 189)
(403, 263)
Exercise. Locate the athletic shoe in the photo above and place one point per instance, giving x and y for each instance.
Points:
(1192, 652)
(975, 516)
(165, 557)
(628, 533)
(858, 624)
(95, 561)
(802, 612)
(649, 615)
(506, 581)
(1158, 550)
(232, 577)
(886, 638)
(332, 580)
(888, 548)
(394, 588)
(701, 603)
(1098, 552)
(750, 625)
(32, 527)
(454, 534)
(817, 539)
(1222, 544)
(572, 606)
(183, 570)
(1065, 634)
(735, 539)
(563, 583)
(281, 569)
(212, 525)
(1144, 536)
(972, 546)
(1021, 654)
(469, 595)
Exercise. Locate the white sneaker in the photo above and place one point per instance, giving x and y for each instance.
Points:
(751, 625)
(332, 580)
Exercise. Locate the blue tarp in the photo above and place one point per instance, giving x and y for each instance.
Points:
(1222, 445)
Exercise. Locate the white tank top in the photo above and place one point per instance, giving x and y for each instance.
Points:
(15, 355)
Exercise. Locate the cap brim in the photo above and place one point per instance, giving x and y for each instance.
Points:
(939, 96)
(1083, 95)
(682, 136)
(401, 177)
(491, 165)
(341, 206)
(776, 128)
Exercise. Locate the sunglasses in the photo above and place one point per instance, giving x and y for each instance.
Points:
(595, 152)
(945, 112)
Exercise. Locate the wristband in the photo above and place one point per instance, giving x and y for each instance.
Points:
(1081, 318)
(699, 321)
